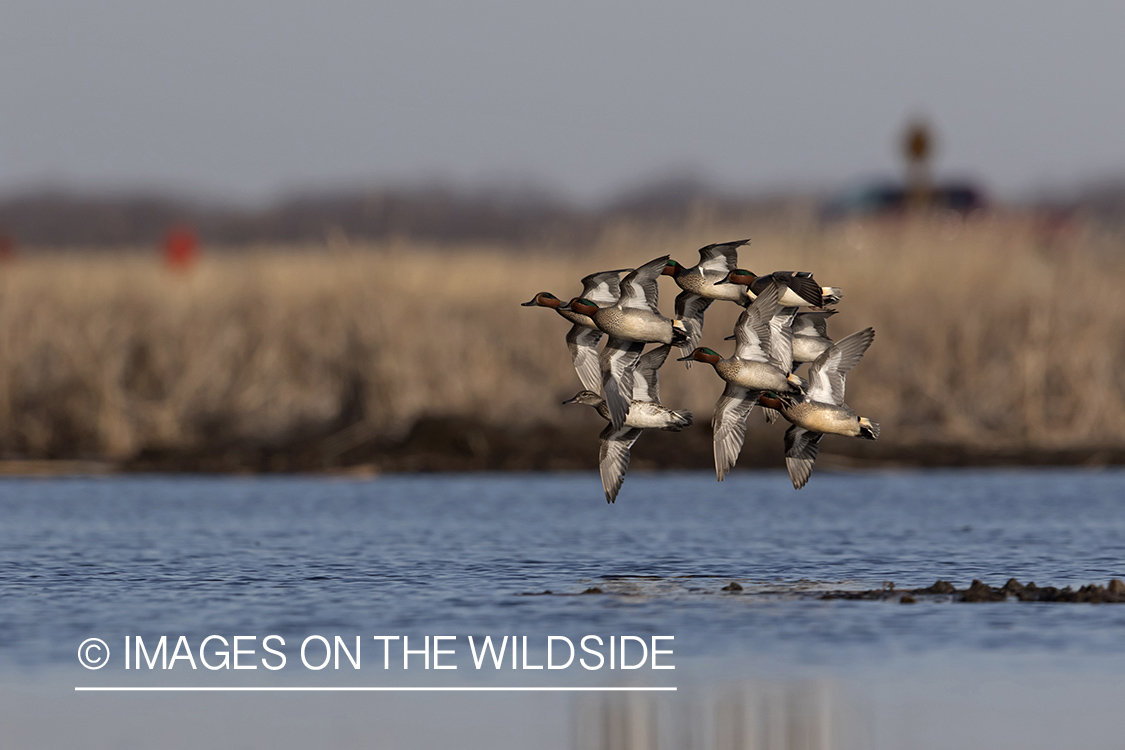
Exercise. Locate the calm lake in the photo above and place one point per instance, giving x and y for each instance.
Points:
(458, 555)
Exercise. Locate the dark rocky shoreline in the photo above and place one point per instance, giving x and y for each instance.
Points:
(1112, 593)
(977, 591)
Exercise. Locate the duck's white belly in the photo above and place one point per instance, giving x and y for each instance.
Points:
(730, 292)
(791, 299)
(824, 418)
(647, 415)
(757, 376)
(808, 348)
(635, 325)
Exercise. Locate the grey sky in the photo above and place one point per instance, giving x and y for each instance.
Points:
(250, 97)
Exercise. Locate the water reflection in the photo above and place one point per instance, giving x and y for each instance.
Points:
(807, 715)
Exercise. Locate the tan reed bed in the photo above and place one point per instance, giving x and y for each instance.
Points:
(985, 336)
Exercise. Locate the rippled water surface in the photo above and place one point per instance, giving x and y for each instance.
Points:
(455, 554)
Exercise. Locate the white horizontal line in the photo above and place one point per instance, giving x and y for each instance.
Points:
(212, 689)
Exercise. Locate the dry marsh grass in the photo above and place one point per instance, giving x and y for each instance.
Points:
(984, 337)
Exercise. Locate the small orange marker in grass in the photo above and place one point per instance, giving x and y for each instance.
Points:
(181, 247)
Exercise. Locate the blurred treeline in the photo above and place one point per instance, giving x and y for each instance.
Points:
(430, 213)
(436, 213)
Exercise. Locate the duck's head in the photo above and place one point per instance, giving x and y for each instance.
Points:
(672, 268)
(703, 354)
(585, 397)
(543, 299)
(581, 306)
(738, 276)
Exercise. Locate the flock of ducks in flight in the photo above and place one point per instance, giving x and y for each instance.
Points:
(773, 337)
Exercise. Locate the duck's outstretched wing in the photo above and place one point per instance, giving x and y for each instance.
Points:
(689, 310)
(639, 290)
(829, 372)
(729, 426)
(801, 447)
(812, 323)
(603, 288)
(752, 331)
(781, 338)
(646, 384)
(720, 258)
(803, 285)
(613, 457)
(618, 362)
(583, 345)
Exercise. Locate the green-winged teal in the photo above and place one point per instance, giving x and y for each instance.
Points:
(700, 288)
(631, 322)
(808, 340)
(583, 337)
(823, 410)
(645, 412)
(758, 364)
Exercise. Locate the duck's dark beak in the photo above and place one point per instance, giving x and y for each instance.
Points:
(730, 338)
(533, 303)
(724, 280)
(685, 359)
(571, 400)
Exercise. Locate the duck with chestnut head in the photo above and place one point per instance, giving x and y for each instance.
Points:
(645, 412)
(823, 411)
(633, 316)
(631, 321)
(583, 337)
(700, 289)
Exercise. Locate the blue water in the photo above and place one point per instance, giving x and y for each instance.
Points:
(454, 554)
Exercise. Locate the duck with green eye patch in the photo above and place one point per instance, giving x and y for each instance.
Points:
(700, 288)
(631, 321)
(584, 335)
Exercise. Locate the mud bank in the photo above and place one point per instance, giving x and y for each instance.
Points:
(706, 585)
(464, 444)
(1112, 593)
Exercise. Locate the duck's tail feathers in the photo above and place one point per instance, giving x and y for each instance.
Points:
(679, 333)
(683, 419)
(868, 430)
(831, 295)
